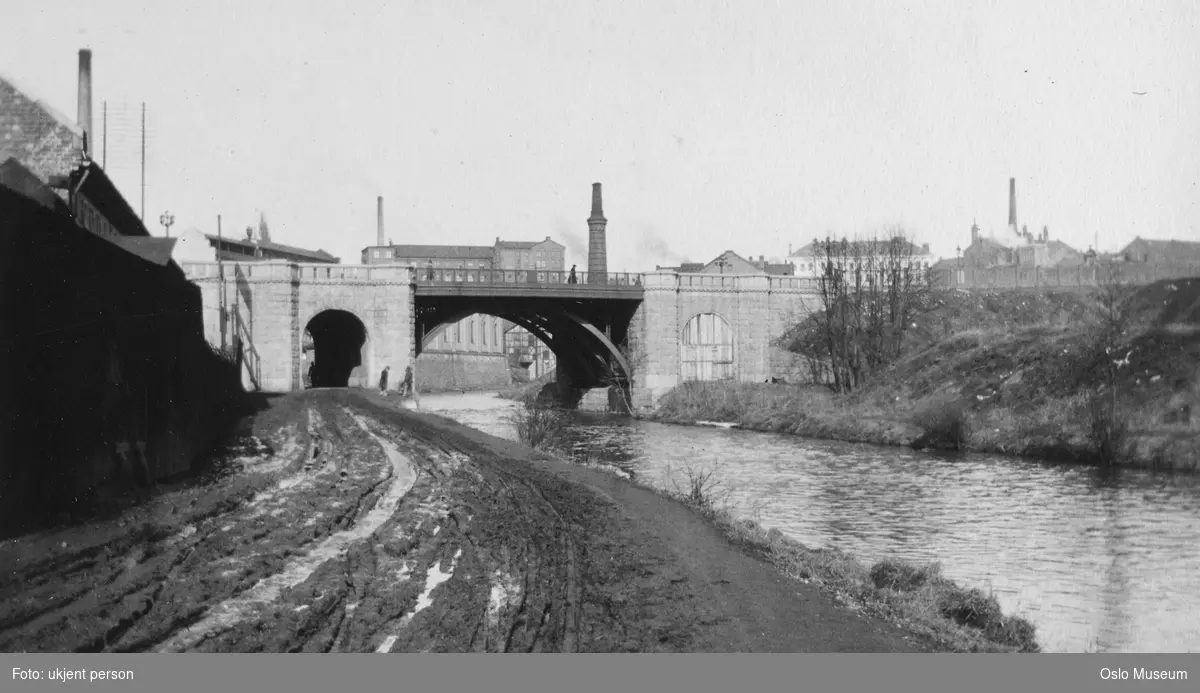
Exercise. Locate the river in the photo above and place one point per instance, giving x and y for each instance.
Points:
(1098, 561)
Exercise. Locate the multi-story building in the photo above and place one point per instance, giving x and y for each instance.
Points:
(809, 260)
(507, 255)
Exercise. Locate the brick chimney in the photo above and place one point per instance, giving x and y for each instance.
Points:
(1045, 234)
(379, 221)
(84, 117)
(1012, 202)
(597, 246)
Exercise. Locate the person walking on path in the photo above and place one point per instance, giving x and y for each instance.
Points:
(406, 385)
(383, 378)
(572, 279)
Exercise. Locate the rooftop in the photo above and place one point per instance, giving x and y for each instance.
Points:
(278, 247)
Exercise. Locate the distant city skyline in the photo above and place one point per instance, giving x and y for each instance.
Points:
(743, 128)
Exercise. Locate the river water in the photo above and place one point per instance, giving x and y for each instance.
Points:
(1099, 562)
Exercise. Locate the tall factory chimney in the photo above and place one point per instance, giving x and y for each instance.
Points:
(379, 222)
(84, 115)
(1012, 203)
(597, 247)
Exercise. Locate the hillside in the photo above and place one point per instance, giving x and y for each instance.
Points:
(1011, 372)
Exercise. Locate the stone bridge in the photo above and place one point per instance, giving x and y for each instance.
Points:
(645, 332)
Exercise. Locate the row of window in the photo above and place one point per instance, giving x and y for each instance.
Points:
(476, 329)
(813, 267)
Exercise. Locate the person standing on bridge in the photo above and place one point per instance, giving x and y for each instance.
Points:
(383, 378)
(572, 279)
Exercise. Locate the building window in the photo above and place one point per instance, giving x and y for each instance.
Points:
(484, 332)
(458, 332)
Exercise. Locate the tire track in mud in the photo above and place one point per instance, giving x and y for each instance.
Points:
(402, 475)
(380, 531)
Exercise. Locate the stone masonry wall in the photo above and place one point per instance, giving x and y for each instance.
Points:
(757, 308)
(274, 302)
(656, 321)
(439, 370)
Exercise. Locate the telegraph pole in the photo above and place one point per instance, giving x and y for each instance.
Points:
(221, 286)
(143, 215)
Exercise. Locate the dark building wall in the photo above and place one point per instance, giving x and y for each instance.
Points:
(98, 345)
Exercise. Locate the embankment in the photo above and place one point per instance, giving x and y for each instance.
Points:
(1010, 373)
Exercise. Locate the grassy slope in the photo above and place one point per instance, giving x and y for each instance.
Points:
(1014, 363)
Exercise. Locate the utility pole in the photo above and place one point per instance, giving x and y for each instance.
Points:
(143, 214)
(221, 286)
(104, 127)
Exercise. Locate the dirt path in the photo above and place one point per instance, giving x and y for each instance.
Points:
(360, 527)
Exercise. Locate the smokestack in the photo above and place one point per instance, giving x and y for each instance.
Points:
(379, 222)
(1012, 202)
(597, 245)
(84, 116)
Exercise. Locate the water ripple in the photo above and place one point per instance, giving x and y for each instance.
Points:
(1099, 561)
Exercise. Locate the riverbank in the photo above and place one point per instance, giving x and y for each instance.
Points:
(1009, 373)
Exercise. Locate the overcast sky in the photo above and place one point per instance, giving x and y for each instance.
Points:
(712, 125)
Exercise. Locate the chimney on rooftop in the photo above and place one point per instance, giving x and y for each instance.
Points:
(1012, 202)
(597, 244)
(379, 221)
(84, 115)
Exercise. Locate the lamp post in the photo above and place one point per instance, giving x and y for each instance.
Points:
(166, 220)
(722, 263)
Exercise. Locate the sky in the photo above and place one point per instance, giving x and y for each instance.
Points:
(746, 126)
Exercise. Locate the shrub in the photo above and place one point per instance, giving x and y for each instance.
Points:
(902, 577)
(1107, 428)
(539, 426)
(944, 423)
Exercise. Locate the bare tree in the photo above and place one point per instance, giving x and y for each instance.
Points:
(869, 292)
(1112, 313)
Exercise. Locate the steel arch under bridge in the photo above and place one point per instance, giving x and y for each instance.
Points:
(582, 322)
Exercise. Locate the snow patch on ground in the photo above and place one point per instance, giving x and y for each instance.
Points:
(506, 589)
(433, 577)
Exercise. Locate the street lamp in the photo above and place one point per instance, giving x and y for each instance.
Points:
(166, 220)
(722, 263)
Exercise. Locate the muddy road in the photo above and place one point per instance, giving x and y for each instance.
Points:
(350, 525)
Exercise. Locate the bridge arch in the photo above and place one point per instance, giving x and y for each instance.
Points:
(706, 348)
(564, 332)
(341, 343)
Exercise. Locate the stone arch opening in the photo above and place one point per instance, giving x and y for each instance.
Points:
(339, 340)
(706, 348)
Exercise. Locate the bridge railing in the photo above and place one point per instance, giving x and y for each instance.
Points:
(743, 282)
(510, 277)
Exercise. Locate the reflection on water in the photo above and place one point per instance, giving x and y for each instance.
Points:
(1098, 561)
